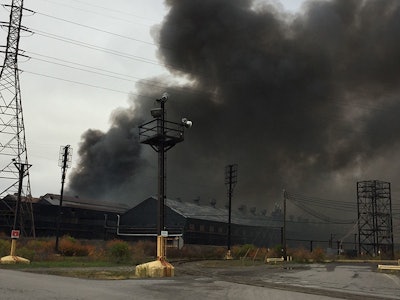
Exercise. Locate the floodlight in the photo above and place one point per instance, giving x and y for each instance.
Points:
(187, 123)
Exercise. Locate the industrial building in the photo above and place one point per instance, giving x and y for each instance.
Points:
(197, 224)
(201, 224)
(80, 218)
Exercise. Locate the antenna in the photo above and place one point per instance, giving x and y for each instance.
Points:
(12, 130)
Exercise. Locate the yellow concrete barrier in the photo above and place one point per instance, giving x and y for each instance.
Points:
(158, 268)
(388, 267)
(11, 259)
(274, 259)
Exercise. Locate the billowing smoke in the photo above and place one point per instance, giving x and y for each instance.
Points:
(306, 102)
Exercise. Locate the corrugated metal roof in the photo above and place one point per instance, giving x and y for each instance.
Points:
(77, 202)
(210, 213)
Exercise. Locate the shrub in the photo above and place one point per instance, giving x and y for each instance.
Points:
(24, 252)
(69, 246)
(141, 250)
(197, 252)
(119, 251)
(300, 255)
(5, 247)
(246, 250)
(42, 249)
(318, 255)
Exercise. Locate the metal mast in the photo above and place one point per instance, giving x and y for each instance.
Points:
(375, 226)
(162, 135)
(12, 130)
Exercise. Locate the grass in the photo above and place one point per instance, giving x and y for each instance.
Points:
(67, 263)
(78, 267)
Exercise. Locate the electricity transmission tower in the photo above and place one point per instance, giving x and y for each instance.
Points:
(12, 131)
(375, 227)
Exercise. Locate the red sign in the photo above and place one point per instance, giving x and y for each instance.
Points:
(15, 234)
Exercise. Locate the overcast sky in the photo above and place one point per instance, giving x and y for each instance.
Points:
(60, 100)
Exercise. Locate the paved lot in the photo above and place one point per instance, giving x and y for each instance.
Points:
(346, 281)
(204, 280)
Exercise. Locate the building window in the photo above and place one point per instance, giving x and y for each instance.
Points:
(211, 229)
(202, 228)
(191, 227)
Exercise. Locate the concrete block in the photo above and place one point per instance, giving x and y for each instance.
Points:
(12, 259)
(157, 268)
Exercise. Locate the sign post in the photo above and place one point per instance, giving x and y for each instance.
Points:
(15, 234)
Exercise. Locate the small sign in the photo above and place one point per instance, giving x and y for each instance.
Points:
(15, 234)
(164, 233)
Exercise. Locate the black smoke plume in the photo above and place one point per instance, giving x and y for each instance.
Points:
(306, 102)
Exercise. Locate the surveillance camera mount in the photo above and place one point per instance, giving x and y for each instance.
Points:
(162, 135)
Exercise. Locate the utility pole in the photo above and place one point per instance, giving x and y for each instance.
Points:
(284, 246)
(22, 171)
(64, 162)
(230, 182)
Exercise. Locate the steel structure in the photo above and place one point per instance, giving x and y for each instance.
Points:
(12, 131)
(162, 135)
(375, 226)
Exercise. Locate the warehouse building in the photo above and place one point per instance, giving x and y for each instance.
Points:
(200, 224)
(197, 224)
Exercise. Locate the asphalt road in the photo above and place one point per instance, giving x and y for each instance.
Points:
(199, 281)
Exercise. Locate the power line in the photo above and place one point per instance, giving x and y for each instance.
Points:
(300, 201)
(97, 48)
(97, 29)
(104, 72)
(98, 71)
(334, 204)
(81, 83)
(108, 9)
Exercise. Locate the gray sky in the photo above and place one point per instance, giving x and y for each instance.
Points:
(57, 112)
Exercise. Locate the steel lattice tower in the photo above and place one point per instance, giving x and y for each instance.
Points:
(13, 150)
(375, 225)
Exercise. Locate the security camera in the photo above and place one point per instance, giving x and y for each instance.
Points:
(164, 98)
(187, 123)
